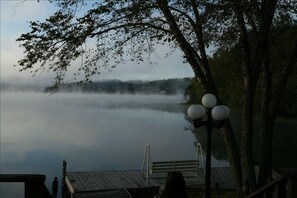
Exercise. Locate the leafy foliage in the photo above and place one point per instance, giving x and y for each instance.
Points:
(114, 32)
(108, 34)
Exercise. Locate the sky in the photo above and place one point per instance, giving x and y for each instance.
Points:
(15, 15)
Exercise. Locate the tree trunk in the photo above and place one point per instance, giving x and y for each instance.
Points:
(265, 162)
(269, 111)
(251, 70)
(233, 154)
(207, 84)
(247, 161)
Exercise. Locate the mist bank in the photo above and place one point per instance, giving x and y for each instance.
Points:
(21, 87)
(164, 87)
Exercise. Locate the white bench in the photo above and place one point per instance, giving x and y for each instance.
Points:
(182, 166)
(166, 166)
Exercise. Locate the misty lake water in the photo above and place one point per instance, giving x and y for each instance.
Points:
(90, 132)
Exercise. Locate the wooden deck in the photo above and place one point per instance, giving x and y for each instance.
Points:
(121, 183)
(121, 193)
(105, 180)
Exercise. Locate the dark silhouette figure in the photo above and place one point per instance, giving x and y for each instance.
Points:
(175, 186)
(55, 187)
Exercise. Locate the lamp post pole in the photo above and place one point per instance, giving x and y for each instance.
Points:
(215, 118)
(208, 155)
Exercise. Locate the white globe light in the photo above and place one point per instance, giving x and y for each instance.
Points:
(196, 112)
(219, 113)
(227, 111)
(209, 100)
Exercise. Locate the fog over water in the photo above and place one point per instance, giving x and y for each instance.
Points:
(90, 132)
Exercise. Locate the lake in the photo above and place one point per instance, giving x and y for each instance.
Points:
(90, 132)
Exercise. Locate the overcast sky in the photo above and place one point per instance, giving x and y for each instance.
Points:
(15, 15)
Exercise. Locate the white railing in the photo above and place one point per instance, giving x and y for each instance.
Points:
(146, 160)
(202, 155)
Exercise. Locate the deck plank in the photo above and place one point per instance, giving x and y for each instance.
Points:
(104, 194)
(116, 180)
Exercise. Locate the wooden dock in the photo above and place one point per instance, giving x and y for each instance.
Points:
(130, 183)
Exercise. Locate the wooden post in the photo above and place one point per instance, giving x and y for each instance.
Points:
(209, 128)
(276, 191)
(292, 188)
(55, 187)
(282, 188)
(33, 189)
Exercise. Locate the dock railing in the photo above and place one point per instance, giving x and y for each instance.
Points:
(146, 162)
(199, 147)
(285, 186)
(34, 184)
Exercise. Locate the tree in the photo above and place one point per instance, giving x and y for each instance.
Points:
(225, 65)
(127, 30)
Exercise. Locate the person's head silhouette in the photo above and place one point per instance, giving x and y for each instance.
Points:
(175, 186)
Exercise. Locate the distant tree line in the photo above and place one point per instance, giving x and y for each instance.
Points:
(166, 86)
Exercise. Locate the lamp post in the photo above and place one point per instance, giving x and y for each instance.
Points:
(208, 115)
